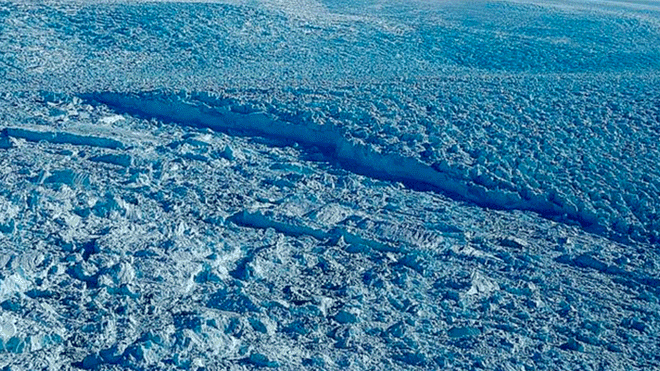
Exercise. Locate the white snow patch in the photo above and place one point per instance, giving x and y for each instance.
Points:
(7, 327)
(481, 285)
(109, 120)
(13, 284)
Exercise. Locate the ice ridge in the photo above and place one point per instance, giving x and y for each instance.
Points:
(350, 153)
(61, 138)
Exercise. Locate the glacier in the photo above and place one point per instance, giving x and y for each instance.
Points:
(329, 185)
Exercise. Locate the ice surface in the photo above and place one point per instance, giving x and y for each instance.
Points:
(329, 185)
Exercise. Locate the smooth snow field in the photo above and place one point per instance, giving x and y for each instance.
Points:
(330, 185)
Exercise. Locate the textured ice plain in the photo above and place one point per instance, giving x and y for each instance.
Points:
(229, 185)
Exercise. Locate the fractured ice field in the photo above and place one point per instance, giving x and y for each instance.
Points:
(329, 185)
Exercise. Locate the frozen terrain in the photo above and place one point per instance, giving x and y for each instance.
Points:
(329, 185)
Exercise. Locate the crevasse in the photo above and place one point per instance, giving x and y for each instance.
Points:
(347, 152)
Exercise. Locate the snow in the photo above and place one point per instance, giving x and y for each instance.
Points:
(326, 185)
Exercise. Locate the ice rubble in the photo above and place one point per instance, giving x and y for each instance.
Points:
(181, 261)
(157, 211)
(508, 105)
